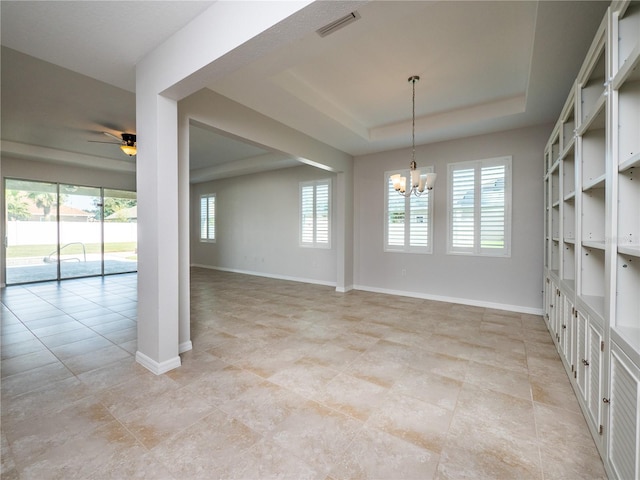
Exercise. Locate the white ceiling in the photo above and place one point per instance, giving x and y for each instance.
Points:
(484, 67)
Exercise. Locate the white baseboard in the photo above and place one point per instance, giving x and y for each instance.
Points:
(402, 293)
(185, 347)
(157, 368)
(462, 301)
(268, 275)
(344, 289)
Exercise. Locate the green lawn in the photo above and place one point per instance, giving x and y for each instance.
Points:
(21, 251)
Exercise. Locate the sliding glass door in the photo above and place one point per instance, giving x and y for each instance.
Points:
(31, 231)
(120, 231)
(58, 231)
(80, 231)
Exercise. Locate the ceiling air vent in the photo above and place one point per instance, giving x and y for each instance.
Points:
(338, 24)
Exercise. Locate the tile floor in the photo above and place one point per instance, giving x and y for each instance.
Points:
(285, 380)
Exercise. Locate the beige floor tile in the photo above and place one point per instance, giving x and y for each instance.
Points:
(554, 390)
(474, 453)
(374, 454)
(34, 379)
(352, 396)
(268, 460)
(206, 449)
(317, 434)
(423, 424)
(499, 379)
(168, 414)
(304, 377)
(263, 406)
(429, 387)
(290, 381)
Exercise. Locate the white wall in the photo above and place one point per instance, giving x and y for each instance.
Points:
(257, 227)
(513, 283)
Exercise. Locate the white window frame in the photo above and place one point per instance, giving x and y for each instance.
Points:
(476, 249)
(206, 236)
(407, 246)
(317, 238)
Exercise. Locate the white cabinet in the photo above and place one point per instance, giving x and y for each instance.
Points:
(592, 238)
(624, 413)
(589, 368)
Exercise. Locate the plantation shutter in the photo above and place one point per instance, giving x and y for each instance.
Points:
(479, 207)
(492, 217)
(463, 209)
(408, 219)
(315, 213)
(207, 217)
(419, 221)
(395, 216)
(322, 213)
(307, 220)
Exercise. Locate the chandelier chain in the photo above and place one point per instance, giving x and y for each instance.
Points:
(413, 121)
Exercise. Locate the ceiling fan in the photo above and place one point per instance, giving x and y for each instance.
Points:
(127, 142)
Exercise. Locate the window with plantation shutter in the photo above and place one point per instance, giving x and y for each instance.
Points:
(315, 213)
(208, 218)
(480, 207)
(407, 220)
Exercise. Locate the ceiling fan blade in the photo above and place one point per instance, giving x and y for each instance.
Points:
(119, 139)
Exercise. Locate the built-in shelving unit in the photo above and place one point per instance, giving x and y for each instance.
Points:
(592, 238)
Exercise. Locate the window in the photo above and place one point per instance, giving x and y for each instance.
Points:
(408, 220)
(208, 218)
(480, 207)
(315, 213)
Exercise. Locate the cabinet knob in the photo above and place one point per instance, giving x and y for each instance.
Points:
(605, 400)
(585, 363)
(564, 326)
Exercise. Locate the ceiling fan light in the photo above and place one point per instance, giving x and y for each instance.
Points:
(129, 149)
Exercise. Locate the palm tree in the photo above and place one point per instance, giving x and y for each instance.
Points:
(45, 201)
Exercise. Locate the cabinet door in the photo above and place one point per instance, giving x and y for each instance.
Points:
(548, 300)
(564, 326)
(569, 332)
(624, 416)
(582, 325)
(594, 374)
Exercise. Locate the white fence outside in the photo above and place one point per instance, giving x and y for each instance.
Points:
(39, 233)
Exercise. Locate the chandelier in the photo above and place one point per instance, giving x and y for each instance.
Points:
(420, 184)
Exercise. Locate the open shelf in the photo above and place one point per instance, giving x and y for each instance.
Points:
(597, 182)
(593, 154)
(628, 121)
(592, 274)
(593, 215)
(569, 220)
(594, 244)
(568, 123)
(630, 162)
(631, 249)
(555, 256)
(629, 208)
(569, 261)
(628, 36)
(592, 88)
(627, 288)
(555, 150)
(569, 172)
